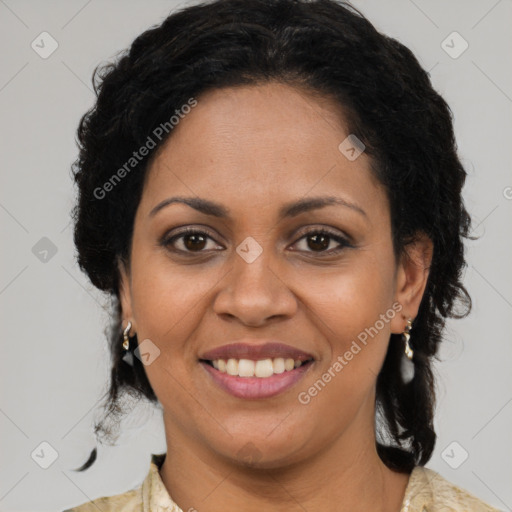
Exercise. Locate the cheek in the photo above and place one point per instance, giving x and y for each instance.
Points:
(168, 300)
(350, 299)
(352, 308)
(343, 386)
(168, 304)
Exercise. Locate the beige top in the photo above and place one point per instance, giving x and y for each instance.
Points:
(427, 491)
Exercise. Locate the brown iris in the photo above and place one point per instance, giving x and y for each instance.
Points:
(318, 241)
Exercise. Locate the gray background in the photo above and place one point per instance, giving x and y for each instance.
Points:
(54, 363)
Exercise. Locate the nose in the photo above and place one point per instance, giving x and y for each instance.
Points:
(255, 293)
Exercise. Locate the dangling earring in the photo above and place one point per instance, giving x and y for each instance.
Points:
(126, 342)
(407, 364)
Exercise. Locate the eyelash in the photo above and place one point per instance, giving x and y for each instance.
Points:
(344, 243)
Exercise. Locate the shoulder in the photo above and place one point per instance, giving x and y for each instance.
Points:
(130, 501)
(428, 491)
(149, 495)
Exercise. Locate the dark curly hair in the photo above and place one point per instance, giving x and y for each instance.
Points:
(331, 50)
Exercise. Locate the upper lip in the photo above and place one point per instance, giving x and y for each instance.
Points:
(268, 350)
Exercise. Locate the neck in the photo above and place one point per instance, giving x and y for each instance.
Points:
(346, 476)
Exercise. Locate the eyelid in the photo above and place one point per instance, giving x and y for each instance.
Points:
(332, 232)
(177, 232)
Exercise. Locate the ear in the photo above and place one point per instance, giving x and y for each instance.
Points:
(125, 296)
(411, 279)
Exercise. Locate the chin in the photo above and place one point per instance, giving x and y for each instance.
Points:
(259, 452)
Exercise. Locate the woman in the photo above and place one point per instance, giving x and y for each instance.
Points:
(270, 191)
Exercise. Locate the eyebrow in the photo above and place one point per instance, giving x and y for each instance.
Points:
(291, 209)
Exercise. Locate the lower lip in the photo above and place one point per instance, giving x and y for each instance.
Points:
(256, 387)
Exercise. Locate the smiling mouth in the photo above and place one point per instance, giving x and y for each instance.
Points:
(261, 368)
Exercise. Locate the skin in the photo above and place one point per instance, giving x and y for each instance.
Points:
(253, 149)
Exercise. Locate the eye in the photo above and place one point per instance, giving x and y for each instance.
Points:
(321, 241)
(191, 240)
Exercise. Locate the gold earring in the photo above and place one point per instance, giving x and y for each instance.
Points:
(406, 337)
(126, 342)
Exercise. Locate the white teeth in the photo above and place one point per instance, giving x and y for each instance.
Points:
(261, 368)
(264, 368)
(278, 365)
(245, 368)
(232, 367)
(289, 364)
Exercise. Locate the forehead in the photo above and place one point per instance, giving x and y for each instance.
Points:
(260, 144)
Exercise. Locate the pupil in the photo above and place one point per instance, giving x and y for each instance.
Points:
(319, 242)
(194, 239)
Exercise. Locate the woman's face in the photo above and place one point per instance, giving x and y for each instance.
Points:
(291, 244)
